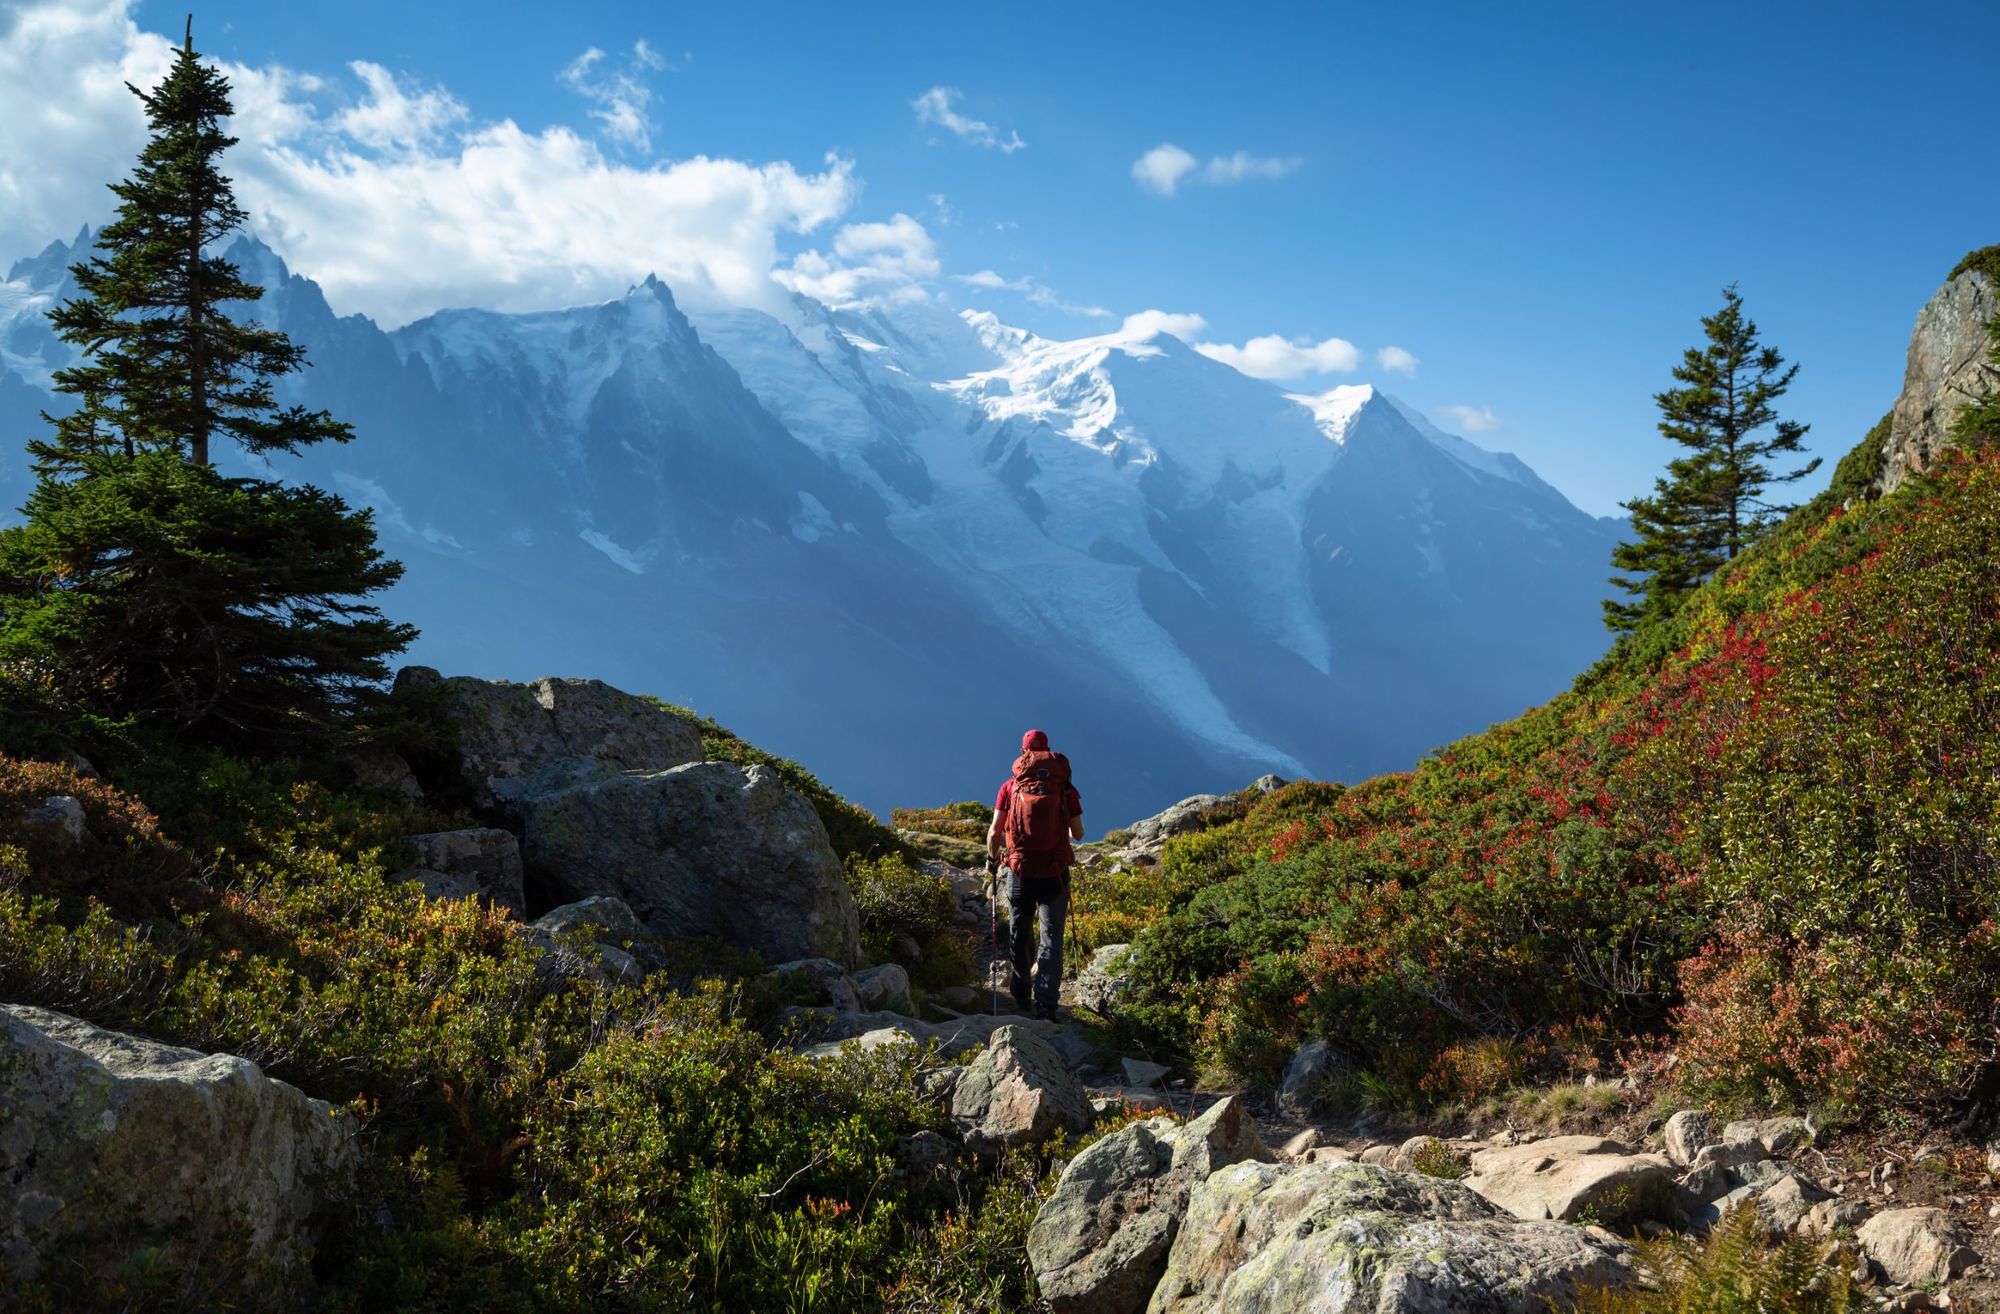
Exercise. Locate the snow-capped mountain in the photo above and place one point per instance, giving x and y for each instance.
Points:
(887, 538)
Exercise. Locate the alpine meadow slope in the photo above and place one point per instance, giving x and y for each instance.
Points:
(824, 522)
(1757, 839)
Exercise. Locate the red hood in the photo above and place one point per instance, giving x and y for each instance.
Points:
(1034, 742)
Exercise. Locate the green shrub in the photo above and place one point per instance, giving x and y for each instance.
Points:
(895, 899)
(1732, 1271)
(968, 820)
(1772, 835)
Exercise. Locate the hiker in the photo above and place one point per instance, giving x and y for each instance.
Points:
(1036, 815)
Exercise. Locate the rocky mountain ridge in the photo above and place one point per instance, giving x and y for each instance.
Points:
(796, 517)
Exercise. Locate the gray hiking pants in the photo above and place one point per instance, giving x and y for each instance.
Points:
(1048, 895)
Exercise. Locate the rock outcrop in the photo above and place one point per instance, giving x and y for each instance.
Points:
(1099, 1244)
(1947, 367)
(112, 1146)
(508, 735)
(1347, 1238)
(709, 849)
(1180, 819)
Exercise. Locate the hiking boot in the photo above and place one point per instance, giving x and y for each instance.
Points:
(1047, 1013)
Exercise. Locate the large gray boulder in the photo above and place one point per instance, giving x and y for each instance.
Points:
(709, 849)
(1946, 368)
(507, 735)
(457, 864)
(1099, 1243)
(1346, 1238)
(1017, 1092)
(1569, 1177)
(112, 1147)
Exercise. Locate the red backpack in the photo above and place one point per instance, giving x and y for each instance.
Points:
(1038, 815)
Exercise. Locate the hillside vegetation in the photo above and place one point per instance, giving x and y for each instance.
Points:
(1761, 834)
(530, 1142)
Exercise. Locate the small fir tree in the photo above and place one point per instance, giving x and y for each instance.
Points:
(146, 588)
(1710, 505)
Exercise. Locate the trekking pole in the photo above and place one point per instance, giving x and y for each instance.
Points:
(993, 929)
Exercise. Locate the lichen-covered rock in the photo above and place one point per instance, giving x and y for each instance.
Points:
(1946, 368)
(509, 734)
(1566, 1177)
(1099, 1243)
(1782, 1206)
(1308, 1077)
(886, 988)
(710, 850)
(1017, 1092)
(1917, 1247)
(1688, 1133)
(1775, 1135)
(112, 1146)
(457, 864)
(1106, 979)
(1357, 1239)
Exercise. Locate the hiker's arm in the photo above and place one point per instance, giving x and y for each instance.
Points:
(993, 839)
(1076, 827)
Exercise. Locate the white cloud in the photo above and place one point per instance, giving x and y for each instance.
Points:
(1274, 357)
(392, 116)
(870, 261)
(388, 194)
(71, 124)
(1471, 419)
(1148, 322)
(1243, 166)
(1394, 360)
(620, 95)
(1161, 169)
(939, 106)
(1037, 292)
(1164, 169)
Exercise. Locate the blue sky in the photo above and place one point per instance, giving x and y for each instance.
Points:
(1537, 202)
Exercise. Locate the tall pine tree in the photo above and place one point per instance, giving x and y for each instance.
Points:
(147, 590)
(1710, 505)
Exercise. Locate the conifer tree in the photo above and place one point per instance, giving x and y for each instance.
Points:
(146, 589)
(1710, 505)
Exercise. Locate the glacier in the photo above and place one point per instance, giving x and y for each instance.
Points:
(885, 539)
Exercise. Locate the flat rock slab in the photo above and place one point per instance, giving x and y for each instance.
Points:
(1566, 1177)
